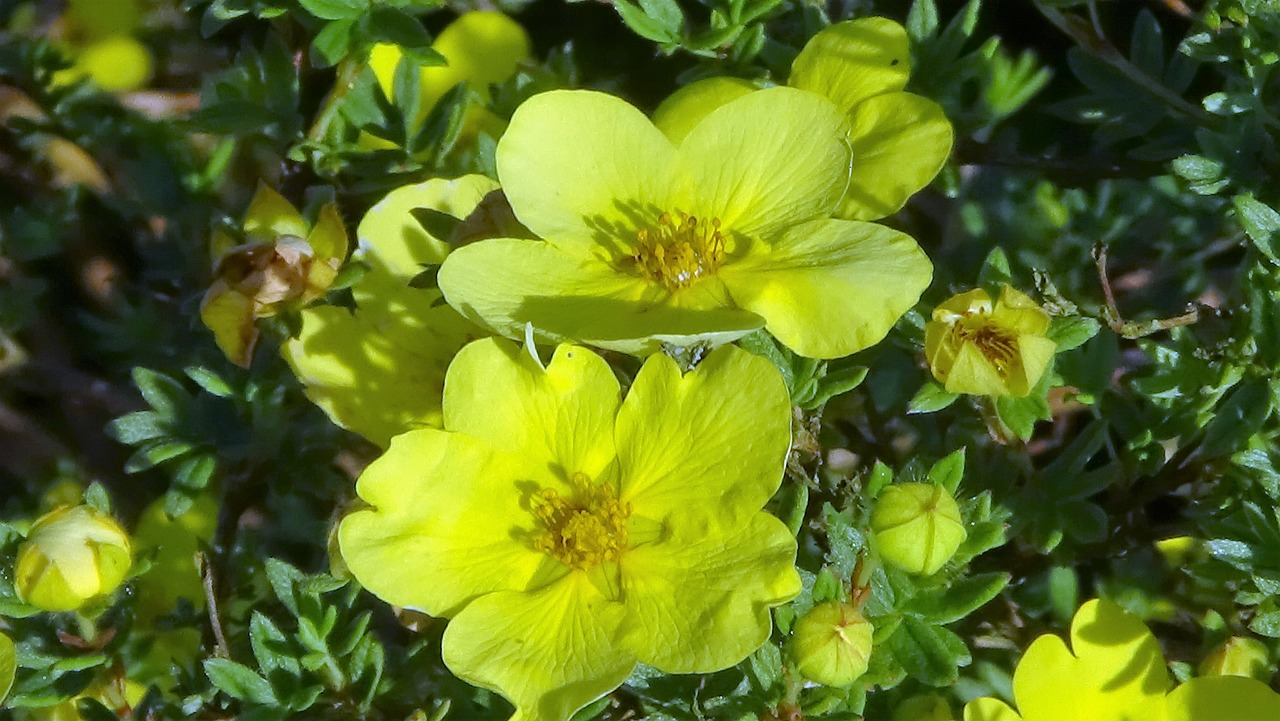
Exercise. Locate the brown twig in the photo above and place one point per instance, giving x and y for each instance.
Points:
(1133, 329)
(207, 577)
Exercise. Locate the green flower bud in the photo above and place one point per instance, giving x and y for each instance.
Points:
(930, 707)
(1239, 656)
(72, 555)
(917, 526)
(831, 644)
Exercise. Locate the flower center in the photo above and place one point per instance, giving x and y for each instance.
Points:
(678, 250)
(998, 345)
(583, 530)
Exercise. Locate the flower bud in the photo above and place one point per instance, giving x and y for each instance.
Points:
(977, 347)
(917, 526)
(831, 644)
(1239, 656)
(72, 556)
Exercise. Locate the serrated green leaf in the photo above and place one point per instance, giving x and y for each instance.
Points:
(239, 682)
(271, 646)
(952, 603)
(640, 22)
(283, 579)
(1071, 332)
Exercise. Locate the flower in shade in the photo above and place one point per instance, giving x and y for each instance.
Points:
(569, 533)
(984, 348)
(481, 48)
(282, 261)
(379, 370)
(643, 242)
(899, 140)
(1114, 670)
(99, 38)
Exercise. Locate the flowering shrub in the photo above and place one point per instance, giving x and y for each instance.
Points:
(730, 360)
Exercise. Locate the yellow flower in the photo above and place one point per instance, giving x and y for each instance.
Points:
(73, 555)
(102, 46)
(899, 140)
(1114, 671)
(380, 370)
(976, 347)
(173, 543)
(646, 242)
(117, 693)
(569, 533)
(481, 48)
(282, 263)
(1239, 656)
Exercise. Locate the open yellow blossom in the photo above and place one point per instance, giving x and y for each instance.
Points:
(481, 48)
(282, 261)
(1115, 671)
(100, 40)
(645, 241)
(975, 346)
(569, 533)
(379, 371)
(899, 140)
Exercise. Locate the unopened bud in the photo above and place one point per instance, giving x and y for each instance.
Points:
(831, 644)
(72, 555)
(1239, 656)
(917, 526)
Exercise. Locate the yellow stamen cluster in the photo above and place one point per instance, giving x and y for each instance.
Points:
(999, 345)
(583, 530)
(679, 250)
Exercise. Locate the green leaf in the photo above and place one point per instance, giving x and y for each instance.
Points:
(283, 579)
(164, 394)
(643, 25)
(1239, 416)
(1260, 223)
(826, 587)
(336, 9)
(929, 653)
(665, 13)
(1021, 414)
(948, 471)
(931, 397)
(134, 428)
(208, 380)
(332, 43)
(8, 665)
(995, 272)
(952, 603)
(922, 20)
(1073, 331)
(271, 646)
(834, 383)
(239, 682)
(397, 27)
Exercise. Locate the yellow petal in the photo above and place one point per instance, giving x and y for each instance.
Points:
(392, 239)
(900, 141)
(1037, 352)
(989, 709)
(698, 600)
(686, 107)
(505, 283)
(765, 162)
(270, 216)
(831, 287)
(378, 374)
(117, 64)
(328, 238)
(854, 60)
(559, 421)
(583, 168)
(482, 47)
(1223, 698)
(1116, 673)
(230, 315)
(550, 653)
(443, 526)
(973, 373)
(712, 442)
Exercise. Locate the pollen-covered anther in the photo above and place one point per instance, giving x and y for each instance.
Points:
(998, 345)
(582, 530)
(678, 250)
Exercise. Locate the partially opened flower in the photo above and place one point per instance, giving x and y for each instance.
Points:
(281, 261)
(481, 48)
(1114, 670)
(379, 370)
(899, 140)
(984, 348)
(72, 556)
(569, 533)
(645, 241)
